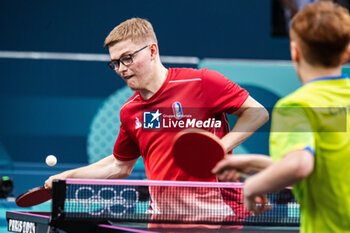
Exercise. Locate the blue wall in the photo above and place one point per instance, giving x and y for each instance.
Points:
(202, 28)
(48, 106)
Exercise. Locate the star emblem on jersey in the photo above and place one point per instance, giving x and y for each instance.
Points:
(151, 120)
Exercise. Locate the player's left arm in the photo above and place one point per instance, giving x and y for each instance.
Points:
(289, 170)
(251, 116)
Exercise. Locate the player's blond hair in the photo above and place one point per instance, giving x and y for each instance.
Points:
(136, 29)
(323, 32)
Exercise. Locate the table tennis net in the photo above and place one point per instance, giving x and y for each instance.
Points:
(168, 202)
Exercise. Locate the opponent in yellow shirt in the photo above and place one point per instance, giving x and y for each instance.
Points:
(316, 118)
(310, 134)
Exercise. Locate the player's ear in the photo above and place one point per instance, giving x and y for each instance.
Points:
(346, 55)
(154, 50)
(294, 51)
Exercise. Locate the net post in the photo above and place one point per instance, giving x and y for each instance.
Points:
(58, 198)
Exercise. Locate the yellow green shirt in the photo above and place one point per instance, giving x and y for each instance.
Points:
(317, 117)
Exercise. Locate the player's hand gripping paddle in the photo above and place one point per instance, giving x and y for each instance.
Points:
(197, 151)
(33, 197)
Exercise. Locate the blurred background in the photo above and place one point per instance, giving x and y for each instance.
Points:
(57, 95)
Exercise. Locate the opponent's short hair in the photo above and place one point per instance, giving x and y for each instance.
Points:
(323, 32)
(136, 29)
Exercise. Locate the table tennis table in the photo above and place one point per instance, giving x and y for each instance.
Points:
(134, 206)
(39, 222)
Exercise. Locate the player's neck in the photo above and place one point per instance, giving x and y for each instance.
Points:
(156, 81)
(308, 72)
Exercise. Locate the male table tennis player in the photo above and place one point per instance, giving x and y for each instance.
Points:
(135, 58)
(310, 134)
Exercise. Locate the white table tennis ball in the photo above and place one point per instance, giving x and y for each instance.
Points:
(51, 160)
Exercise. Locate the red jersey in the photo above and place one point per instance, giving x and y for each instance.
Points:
(188, 98)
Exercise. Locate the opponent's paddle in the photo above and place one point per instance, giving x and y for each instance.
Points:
(34, 197)
(197, 152)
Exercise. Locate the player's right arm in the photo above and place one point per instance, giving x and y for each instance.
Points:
(229, 168)
(106, 168)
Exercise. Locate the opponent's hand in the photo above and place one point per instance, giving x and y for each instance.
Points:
(255, 203)
(48, 182)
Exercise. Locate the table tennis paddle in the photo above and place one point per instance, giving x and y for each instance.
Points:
(33, 197)
(197, 151)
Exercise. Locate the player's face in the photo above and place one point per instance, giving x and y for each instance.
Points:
(131, 62)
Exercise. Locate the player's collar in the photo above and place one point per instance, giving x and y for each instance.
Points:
(343, 76)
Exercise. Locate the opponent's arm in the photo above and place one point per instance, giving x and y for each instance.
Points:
(106, 168)
(289, 170)
(251, 116)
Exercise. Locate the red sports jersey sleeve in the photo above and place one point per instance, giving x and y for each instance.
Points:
(125, 148)
(222, 95)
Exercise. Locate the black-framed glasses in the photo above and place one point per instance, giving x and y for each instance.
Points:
(125, 60)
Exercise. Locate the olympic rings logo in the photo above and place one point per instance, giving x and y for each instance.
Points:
(106, 200)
